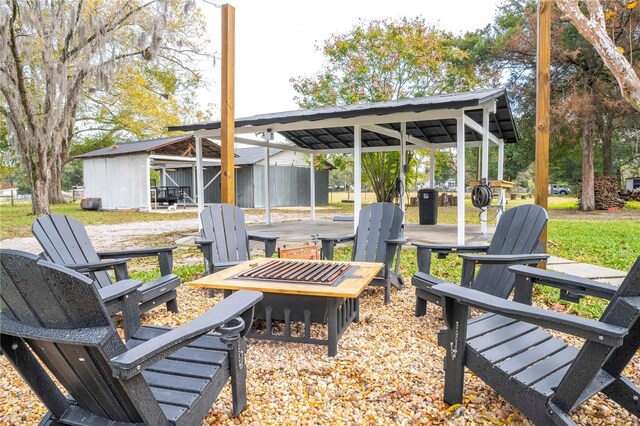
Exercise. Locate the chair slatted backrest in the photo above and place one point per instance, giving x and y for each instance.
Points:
(49, 297)
(377, 223)
(593, 355)
(518, 232)
(224, 225)
(65, 241)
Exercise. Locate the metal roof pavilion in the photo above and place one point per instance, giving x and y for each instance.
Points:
(458, 120)
(430, 120)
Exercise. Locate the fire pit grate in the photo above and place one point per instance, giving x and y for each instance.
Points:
(297, 271)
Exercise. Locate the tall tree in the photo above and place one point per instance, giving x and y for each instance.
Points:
(388, 60)
(585, 99)
(589, 18)
(51, 51)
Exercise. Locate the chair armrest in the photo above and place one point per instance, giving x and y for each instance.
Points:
(581, 327)
(97, 266)
(493, 259)
(261, 238)
(341, 239)
(269, 243)
(328, 243)
(141, 252)
(164, 254)
(424, 251)
(137, 359)
(570, 283)
(443, 248)
(397, 241)
(82, 336)
(119, 289)
(201, 241)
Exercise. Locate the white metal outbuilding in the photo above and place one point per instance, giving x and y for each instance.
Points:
(120, 175)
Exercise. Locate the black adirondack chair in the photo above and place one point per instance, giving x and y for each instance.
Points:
(378, 238)
(225, 240)
(162, 376)
(540, 374)
(65, 241)
(516, 241)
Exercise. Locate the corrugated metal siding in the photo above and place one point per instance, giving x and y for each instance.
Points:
(244, 187)
(290, 186)
(121, 182)
(181, 177)
(212, 194)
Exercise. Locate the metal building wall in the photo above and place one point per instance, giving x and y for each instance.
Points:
(290, 186)
(121, 182)
(212, 194)
(181, 177)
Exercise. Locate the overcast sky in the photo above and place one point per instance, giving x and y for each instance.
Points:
(277, 40)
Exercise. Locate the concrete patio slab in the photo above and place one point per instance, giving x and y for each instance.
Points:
(588, 271)
(301, 231)
(612, 281)
(554, 260)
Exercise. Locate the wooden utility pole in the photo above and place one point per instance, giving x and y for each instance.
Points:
(543, 105)
(227, 122)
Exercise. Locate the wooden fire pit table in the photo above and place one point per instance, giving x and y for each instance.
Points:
(309, 291)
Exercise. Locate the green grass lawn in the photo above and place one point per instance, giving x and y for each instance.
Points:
(15, 221)
(611, 243)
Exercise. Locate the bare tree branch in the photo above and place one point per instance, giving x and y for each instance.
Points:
(593, 28)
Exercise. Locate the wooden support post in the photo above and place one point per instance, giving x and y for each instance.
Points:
(227, 122)
(543, 105)
(357, 175)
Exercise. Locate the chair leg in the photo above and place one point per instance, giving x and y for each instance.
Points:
(387, 293)
(421, 306)
(238, 376)
(625, 393)
(172, 305)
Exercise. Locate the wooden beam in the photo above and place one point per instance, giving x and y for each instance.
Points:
(227, 122)
(543, 105)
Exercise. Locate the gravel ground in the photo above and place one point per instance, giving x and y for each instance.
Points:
(388, 371)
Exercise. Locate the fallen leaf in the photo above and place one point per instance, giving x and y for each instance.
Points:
(453, 408)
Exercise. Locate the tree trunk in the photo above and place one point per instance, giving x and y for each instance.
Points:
(587, 201)
(55, 183)
(40, 190)
(607, 156)
(606, 135)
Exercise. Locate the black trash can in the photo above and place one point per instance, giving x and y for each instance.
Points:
(428, 206)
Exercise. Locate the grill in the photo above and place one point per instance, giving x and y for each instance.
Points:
(297, 271)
